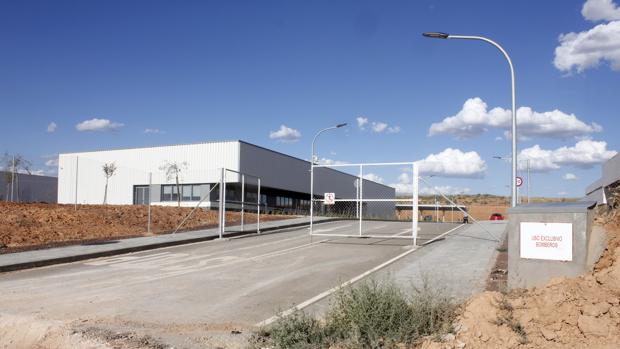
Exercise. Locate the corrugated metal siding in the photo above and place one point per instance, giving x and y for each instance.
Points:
(203, 163)
(29, 188)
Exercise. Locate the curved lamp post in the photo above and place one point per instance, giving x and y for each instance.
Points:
(312, 161)
(439, 35)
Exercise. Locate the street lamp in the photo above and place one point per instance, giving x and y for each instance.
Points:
(439, 35)
(312, 161)
(527, 161)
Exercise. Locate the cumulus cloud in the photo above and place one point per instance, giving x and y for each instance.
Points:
(373, 177)
(600, 10)
(404, 186)
(285, 134)
(376, 126)
(153, 131)
(475, 118)
(587, 49)
(52, 162)
(361, 122)
(570, 176)
(327, 161)
(52, 127)
(443, 189)
(453, 163)
(584, 154)
(101, 125)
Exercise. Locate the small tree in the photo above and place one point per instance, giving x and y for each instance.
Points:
(109, 169)
(173, 170)
(14, 164)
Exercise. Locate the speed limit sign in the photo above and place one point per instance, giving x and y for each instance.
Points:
(519, 181)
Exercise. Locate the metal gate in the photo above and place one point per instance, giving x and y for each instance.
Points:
(354, 192)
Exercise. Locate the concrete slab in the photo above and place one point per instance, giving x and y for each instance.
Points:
(57, 255)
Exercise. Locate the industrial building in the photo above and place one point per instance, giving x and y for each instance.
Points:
(24, 187)
(284, 179)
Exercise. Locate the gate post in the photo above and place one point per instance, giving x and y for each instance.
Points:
(361, 198)
(414, 204)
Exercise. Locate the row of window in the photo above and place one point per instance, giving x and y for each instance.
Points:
(189, 192)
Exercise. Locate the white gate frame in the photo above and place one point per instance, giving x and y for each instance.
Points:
(222, 203)
(360, 199)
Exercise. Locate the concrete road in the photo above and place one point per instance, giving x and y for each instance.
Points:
(236, 282)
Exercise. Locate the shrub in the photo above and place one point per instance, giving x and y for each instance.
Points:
(371, 315)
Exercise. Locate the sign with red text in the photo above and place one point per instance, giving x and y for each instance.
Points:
(552, 241)
(329, 198)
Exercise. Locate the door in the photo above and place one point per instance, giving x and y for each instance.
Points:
(141, 195)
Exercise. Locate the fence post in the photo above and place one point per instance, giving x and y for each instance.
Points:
(221, 206)
(77, 172)
(361, 199)
(242, 198)
(414, 205)
(148, 226)
(258, 209)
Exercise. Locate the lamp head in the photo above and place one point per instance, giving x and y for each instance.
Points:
(341, 125)
(436, 35)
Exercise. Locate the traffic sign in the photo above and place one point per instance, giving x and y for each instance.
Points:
(519, 181)
(329, 198)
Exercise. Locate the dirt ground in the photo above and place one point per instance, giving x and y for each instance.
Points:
(26, 226)
(581, 312)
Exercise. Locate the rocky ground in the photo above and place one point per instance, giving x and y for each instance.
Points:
(581, 312)
(25, 226)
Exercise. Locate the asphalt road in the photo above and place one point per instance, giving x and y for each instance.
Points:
(235, 282)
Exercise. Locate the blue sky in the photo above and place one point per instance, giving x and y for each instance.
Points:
(195, 71)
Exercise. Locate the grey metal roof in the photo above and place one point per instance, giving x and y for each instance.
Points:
(554, 207)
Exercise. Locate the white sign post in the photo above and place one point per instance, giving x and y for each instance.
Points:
(329, 198)
(551, 241)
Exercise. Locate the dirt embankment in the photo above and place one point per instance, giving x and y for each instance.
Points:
(581, 312)
(29, 225)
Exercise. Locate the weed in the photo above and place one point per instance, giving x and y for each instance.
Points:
(506, 317)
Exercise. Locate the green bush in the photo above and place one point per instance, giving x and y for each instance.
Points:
(371, 315)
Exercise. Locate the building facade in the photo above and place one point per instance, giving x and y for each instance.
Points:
(25, 187)
(285, 180)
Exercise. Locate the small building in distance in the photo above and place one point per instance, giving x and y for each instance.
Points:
(285, 180)
(25, 187)
(600, 190)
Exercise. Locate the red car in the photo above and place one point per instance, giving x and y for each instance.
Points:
(496, 217)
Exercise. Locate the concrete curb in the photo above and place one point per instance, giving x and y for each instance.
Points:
(79, 257)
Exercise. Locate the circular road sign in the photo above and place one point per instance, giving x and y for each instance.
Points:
(519, 181)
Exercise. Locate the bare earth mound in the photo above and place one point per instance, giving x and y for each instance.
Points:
(582, 312)
(30, 225)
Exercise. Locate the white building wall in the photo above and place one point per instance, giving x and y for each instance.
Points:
(134, 165)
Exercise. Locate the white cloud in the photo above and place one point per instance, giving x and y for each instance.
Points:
(52, 127)
(285, 134)
(153, 131)
(570, 176)
(584, 154)
(52, 162)
(453, 163)
(600, 10)
(474, 118)
(379, 127)
(376, 126)
(562, 193)
(498, 138)
(404, 186)
(443, 189)
(587, 49)
(327, 161)
(361, 122)
(98, 125)
(373, 177)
